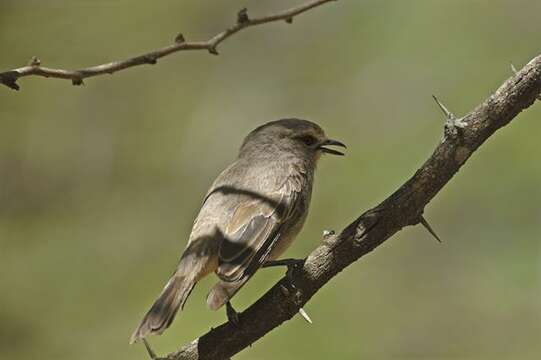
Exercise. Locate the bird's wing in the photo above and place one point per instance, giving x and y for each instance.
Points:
(253, 230)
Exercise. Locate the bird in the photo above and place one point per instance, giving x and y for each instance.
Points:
(251, 214)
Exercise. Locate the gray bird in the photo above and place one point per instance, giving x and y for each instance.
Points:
(251, 214)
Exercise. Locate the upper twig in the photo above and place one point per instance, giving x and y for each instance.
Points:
(34, 68)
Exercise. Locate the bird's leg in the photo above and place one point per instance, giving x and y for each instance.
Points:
(283, 262)
(151, 352)
(232, 314)
(291, 264)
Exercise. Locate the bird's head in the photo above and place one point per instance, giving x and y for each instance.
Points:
(289, 137)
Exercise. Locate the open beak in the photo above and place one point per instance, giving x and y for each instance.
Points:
(331, 151)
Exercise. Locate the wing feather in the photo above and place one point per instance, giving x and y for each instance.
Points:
(252, 232)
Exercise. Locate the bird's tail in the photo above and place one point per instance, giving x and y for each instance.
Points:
(164, 309)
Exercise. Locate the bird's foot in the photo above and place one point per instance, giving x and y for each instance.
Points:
(232, 314)
(292, 265)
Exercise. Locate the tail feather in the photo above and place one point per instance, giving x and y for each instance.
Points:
(164, 309)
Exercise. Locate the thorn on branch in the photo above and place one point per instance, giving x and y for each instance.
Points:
(289, 20)
(305, 316)
(179, 39)
(447, 113)
(427, 226)
(34, 61)
(452, 124)
(213, 51)
(242, 16)
(514, 69)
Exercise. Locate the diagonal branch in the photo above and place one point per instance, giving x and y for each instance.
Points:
(34, 68)
(462, 136)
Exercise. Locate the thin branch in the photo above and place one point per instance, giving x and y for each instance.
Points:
(34, 68)
(404, 207)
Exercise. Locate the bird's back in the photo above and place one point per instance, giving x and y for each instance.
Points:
(240, 183)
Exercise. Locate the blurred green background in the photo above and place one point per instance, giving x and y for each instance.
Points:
(99, 184)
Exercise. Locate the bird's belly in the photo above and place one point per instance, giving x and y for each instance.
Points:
(285, 241)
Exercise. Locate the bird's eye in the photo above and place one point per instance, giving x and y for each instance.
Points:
(308, 140)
